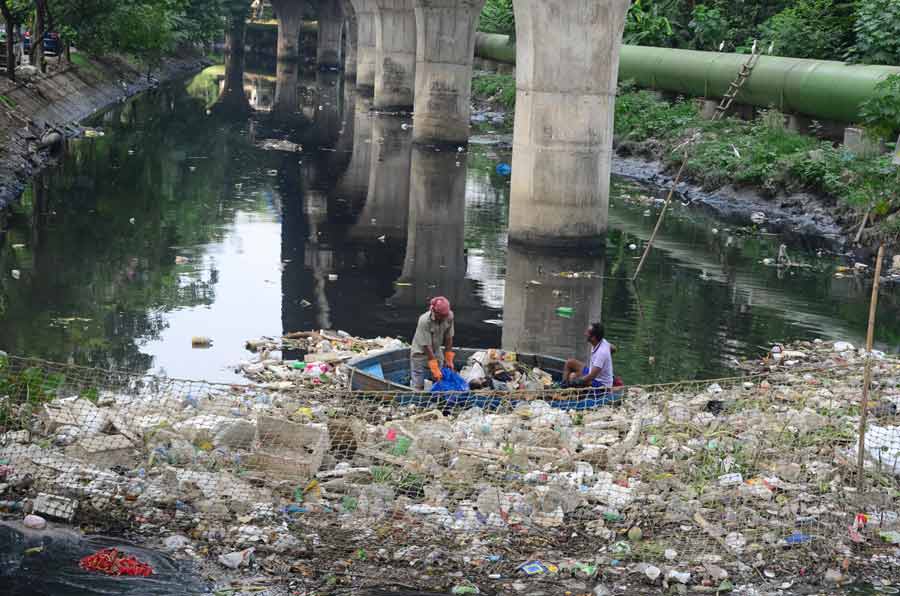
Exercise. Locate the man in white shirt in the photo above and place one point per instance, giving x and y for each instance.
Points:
(599, 370)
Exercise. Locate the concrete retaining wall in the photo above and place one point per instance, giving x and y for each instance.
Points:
(58, 100)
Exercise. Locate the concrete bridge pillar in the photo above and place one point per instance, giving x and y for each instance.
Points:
(395, 54)
(351, 42)
(365, 44)
(329, 52)
(566, 74)
(286, 104)
(445, 31)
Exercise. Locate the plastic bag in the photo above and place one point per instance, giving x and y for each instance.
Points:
(451, 382)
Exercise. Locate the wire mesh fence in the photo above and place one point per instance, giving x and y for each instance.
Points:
(701, 482)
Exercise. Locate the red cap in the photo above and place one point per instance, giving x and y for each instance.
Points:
(441, 307)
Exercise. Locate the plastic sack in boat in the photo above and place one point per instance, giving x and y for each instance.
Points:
(451, 382)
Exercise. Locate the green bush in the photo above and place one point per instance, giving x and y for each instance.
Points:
(762, 154)
(647, 25)
(816, 29)
(500, 88)
(881, 112)
(708, 26)
(640, 116)
(877, 32)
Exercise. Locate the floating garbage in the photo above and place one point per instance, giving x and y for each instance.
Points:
(34, 522)
(503, 169)
(201, 342)
(565, 312)
(279, 145)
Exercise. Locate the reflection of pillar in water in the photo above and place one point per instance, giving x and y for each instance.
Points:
(354, 182)
(287, 96)
(296, 281)
(290, 20)
(319, 259)
(231, 95)
(329, 51)
(261, 92)
(351, 43)
(435, 262)
(387, 202)
(365, 44)
(530, 319)
(328, 111)
(40, 200)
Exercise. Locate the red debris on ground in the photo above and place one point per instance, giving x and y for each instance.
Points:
(112, 562)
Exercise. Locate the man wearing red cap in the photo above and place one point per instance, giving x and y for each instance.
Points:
(432, 344)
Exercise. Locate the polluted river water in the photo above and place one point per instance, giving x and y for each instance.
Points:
(183, 217)
(187, 219)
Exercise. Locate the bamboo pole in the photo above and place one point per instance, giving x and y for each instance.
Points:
(662, 215)
(867, 376)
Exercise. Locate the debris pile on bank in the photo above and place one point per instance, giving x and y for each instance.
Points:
(326, 354)
(700, 486)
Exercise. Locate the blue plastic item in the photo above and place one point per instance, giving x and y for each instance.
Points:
(451, 382)
(503, 169)
(374, 370)
(797, 538)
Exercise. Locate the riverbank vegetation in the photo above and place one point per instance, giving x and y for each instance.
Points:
(762, 154)
(866, 31)
(144, 31)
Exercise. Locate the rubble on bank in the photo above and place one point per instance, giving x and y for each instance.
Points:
(698, 486)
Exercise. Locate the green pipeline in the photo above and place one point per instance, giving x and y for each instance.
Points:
(819, 89)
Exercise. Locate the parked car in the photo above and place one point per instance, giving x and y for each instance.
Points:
(52, 43)
(17, 47)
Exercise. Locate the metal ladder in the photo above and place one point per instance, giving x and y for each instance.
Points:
(735, 87)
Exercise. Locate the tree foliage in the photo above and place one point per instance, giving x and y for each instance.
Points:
(865, 31)
(881, 112)
(877, 31)
(145, 29)
(647, 24)
(497, 16)
(817, 29)
(708, 26)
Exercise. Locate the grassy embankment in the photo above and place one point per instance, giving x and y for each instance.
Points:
(761, 154)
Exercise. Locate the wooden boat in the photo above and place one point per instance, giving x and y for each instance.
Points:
(386, 376)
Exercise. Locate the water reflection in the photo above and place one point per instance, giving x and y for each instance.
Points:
(235, 224)
(550, 301)
(384, 216)
(435, 261)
